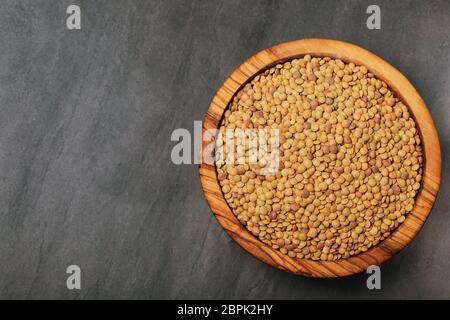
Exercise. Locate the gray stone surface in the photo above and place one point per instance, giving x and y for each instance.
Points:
(85, 124)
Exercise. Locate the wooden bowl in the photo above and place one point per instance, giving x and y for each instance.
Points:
(403, 89)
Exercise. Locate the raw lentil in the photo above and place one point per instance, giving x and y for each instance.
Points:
(350, 159)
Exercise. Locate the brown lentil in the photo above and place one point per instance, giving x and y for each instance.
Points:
(350, 159)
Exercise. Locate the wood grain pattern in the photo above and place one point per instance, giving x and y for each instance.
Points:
(347, 52)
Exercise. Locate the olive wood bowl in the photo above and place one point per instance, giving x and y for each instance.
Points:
(403, 89)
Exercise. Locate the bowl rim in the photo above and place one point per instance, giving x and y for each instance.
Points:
(402, 88)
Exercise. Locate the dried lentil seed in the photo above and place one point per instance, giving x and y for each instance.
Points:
(351, 160)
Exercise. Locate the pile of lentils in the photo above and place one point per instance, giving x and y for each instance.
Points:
(350, 159)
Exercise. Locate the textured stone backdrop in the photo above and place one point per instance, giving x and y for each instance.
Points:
(85, 124)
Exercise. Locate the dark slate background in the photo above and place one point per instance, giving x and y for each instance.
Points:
(85, 124)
